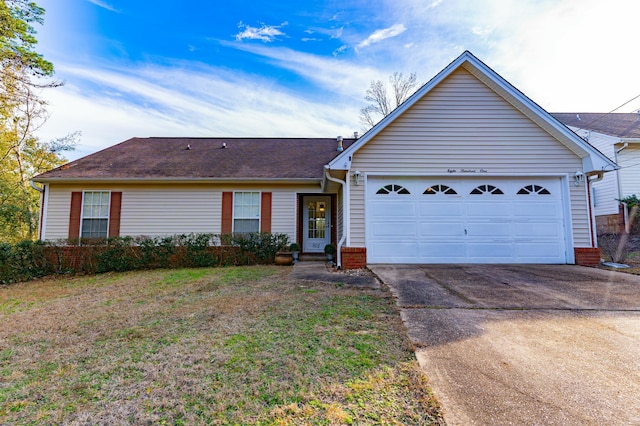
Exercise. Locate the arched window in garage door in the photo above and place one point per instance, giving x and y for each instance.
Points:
(487, 189)
(393, 189)
(440, 189)
(533, 189)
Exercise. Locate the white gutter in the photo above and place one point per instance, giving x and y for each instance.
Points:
(345, 213)
(177, 180)
(626, 144)
(36, 187)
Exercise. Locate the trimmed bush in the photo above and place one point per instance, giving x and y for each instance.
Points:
(27, 260)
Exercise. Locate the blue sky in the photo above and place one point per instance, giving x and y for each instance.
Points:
(301, 68)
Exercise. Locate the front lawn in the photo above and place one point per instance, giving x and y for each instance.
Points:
(241, 345)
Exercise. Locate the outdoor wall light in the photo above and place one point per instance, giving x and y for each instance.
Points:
(578, 178)
(356, 177)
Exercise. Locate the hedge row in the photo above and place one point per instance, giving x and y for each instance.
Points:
(28, 259)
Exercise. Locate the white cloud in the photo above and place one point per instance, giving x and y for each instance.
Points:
(266, 33)
(112, 105)
(340, 76)
(383, 34)
(567, 55)
(483, 32)
(340, 50)
(104, 5)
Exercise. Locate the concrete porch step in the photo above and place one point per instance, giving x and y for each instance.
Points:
(312, 257)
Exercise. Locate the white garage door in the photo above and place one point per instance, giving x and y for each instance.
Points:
(465, 220)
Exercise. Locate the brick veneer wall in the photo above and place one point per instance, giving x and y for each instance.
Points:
(353, 257)
(587, 256)
(611, 223)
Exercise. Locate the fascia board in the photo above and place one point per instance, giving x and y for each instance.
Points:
(177, 180)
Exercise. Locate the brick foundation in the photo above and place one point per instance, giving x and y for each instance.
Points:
(587, 256)
(353, 257)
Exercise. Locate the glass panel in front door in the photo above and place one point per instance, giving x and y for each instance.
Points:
(317, 219)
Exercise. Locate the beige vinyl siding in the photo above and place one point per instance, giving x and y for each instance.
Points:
(57, 211)
(462, 124)
(166, 209)
(156, 212)
(629, 161)
(605, 191)
(283, 213)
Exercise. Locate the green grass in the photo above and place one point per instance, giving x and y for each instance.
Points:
(206, 346)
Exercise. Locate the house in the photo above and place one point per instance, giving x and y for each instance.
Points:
(616, 135)
(467, 170)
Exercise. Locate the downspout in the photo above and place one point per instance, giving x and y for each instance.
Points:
(625, 208)
(590, 212)
(599, 175)
(345, 210)
(42, 195)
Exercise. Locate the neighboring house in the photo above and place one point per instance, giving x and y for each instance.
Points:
(467, 170)
(616, 135)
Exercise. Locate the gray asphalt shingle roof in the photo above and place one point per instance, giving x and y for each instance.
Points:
(622, 125)
(201, 158)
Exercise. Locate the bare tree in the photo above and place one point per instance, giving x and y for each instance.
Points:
(381, 103)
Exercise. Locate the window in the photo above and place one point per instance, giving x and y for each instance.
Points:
(533, 189)
(317, 219)
(393, 189)
(487, 189)
(440, 189)
(95, 214)
(246, 212)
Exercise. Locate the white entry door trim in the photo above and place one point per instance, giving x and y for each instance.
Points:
(316, 223)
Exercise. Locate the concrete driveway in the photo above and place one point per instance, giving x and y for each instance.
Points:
(524, 344)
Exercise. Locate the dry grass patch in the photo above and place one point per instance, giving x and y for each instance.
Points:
(205, 346)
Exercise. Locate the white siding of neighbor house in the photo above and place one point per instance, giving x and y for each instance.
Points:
(629, 162)
(157, 210)
(605, 192)
(462, 124)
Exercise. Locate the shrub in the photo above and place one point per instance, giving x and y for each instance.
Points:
(23, 261)
(27, 259)
(262, 245)
(196, 249)
(155, 252)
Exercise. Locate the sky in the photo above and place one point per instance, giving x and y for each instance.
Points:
(292, 68)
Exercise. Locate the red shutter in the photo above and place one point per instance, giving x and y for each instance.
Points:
(265, 212)
(114, 214)
(74, 215)
(227, 213)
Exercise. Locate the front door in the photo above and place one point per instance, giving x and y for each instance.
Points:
(316, 223)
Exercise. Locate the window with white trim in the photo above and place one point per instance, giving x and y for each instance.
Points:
(246, 212)
(95, 214)
(393, 189)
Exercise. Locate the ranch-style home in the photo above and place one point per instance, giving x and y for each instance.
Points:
(467, 170)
